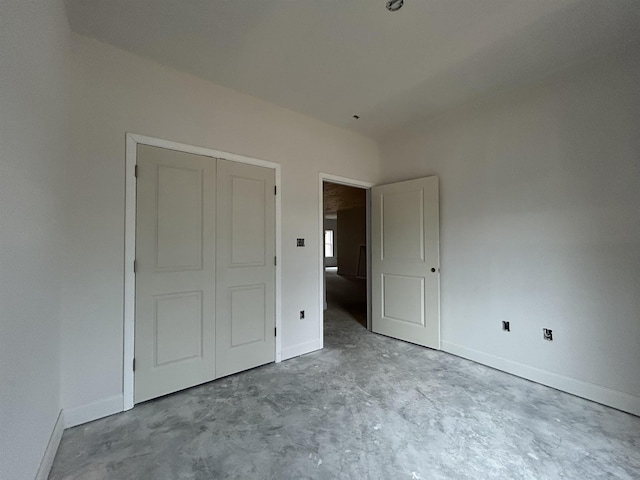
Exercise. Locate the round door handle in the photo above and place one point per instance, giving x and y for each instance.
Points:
(433, 269)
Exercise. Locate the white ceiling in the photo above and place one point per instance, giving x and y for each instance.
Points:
(332, 59)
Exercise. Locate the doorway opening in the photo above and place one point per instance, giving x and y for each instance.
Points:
(345, 252)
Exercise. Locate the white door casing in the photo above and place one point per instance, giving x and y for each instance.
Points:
(245, 308)
(352, 182)
(405, 261)
(175, 271)
(133, 140)
(187, 219)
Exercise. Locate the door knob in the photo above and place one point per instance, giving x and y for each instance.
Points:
(433, 269)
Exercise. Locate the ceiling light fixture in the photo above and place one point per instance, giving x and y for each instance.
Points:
(394, 5)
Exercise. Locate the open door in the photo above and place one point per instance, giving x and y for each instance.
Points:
(405, 261)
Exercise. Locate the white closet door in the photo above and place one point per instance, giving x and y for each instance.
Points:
(405, 261)
(245, 305)
(175, 272)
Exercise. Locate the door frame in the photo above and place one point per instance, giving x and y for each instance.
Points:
(132, 142)
(350, 182)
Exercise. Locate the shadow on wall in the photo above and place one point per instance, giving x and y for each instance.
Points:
(352, 241)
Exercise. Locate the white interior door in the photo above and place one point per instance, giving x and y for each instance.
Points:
(245, 306)
(175, 272)
(405, 261)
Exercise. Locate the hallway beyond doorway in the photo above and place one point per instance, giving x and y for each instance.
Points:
(348, 294)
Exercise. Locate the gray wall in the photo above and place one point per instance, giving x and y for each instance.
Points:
(34, 39)
(352, 226)
(116, 92)
(540, 225)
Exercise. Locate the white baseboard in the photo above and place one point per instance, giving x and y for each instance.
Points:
(301, 349)
(92, 411)
(52, 448)
(606, 396)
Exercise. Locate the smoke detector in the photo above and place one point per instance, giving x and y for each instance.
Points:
(394, 5)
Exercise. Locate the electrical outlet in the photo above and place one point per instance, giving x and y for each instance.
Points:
(547, 334)
(506, 327)
(301, 314)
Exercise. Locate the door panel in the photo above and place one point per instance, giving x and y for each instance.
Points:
(177, 341)
(248, 311)
(245, 307)
(405, 249)
(403, 225)
(403, 298)
(247, 222)
(175, 275)
(179, 230)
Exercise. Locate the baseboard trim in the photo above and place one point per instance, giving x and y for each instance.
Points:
(52, 448)
(596, 393)
(92, 411)
(301, 349)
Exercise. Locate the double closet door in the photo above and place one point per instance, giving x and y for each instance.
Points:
(205, 274)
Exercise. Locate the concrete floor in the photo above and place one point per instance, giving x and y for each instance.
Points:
(348, 295)
(365, 407)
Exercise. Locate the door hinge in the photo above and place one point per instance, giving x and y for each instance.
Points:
(135, 171)
(275, 332)
(275, 260)
(275, 189)
(134, 266)
(134, 364)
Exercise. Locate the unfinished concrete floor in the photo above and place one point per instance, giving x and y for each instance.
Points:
(365, 407)
(348, 294)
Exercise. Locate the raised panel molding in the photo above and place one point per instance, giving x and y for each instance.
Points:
(399, 293)
(248, 306)
(403, 226)
(247, 213)
(179, 227)
(186, 338)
